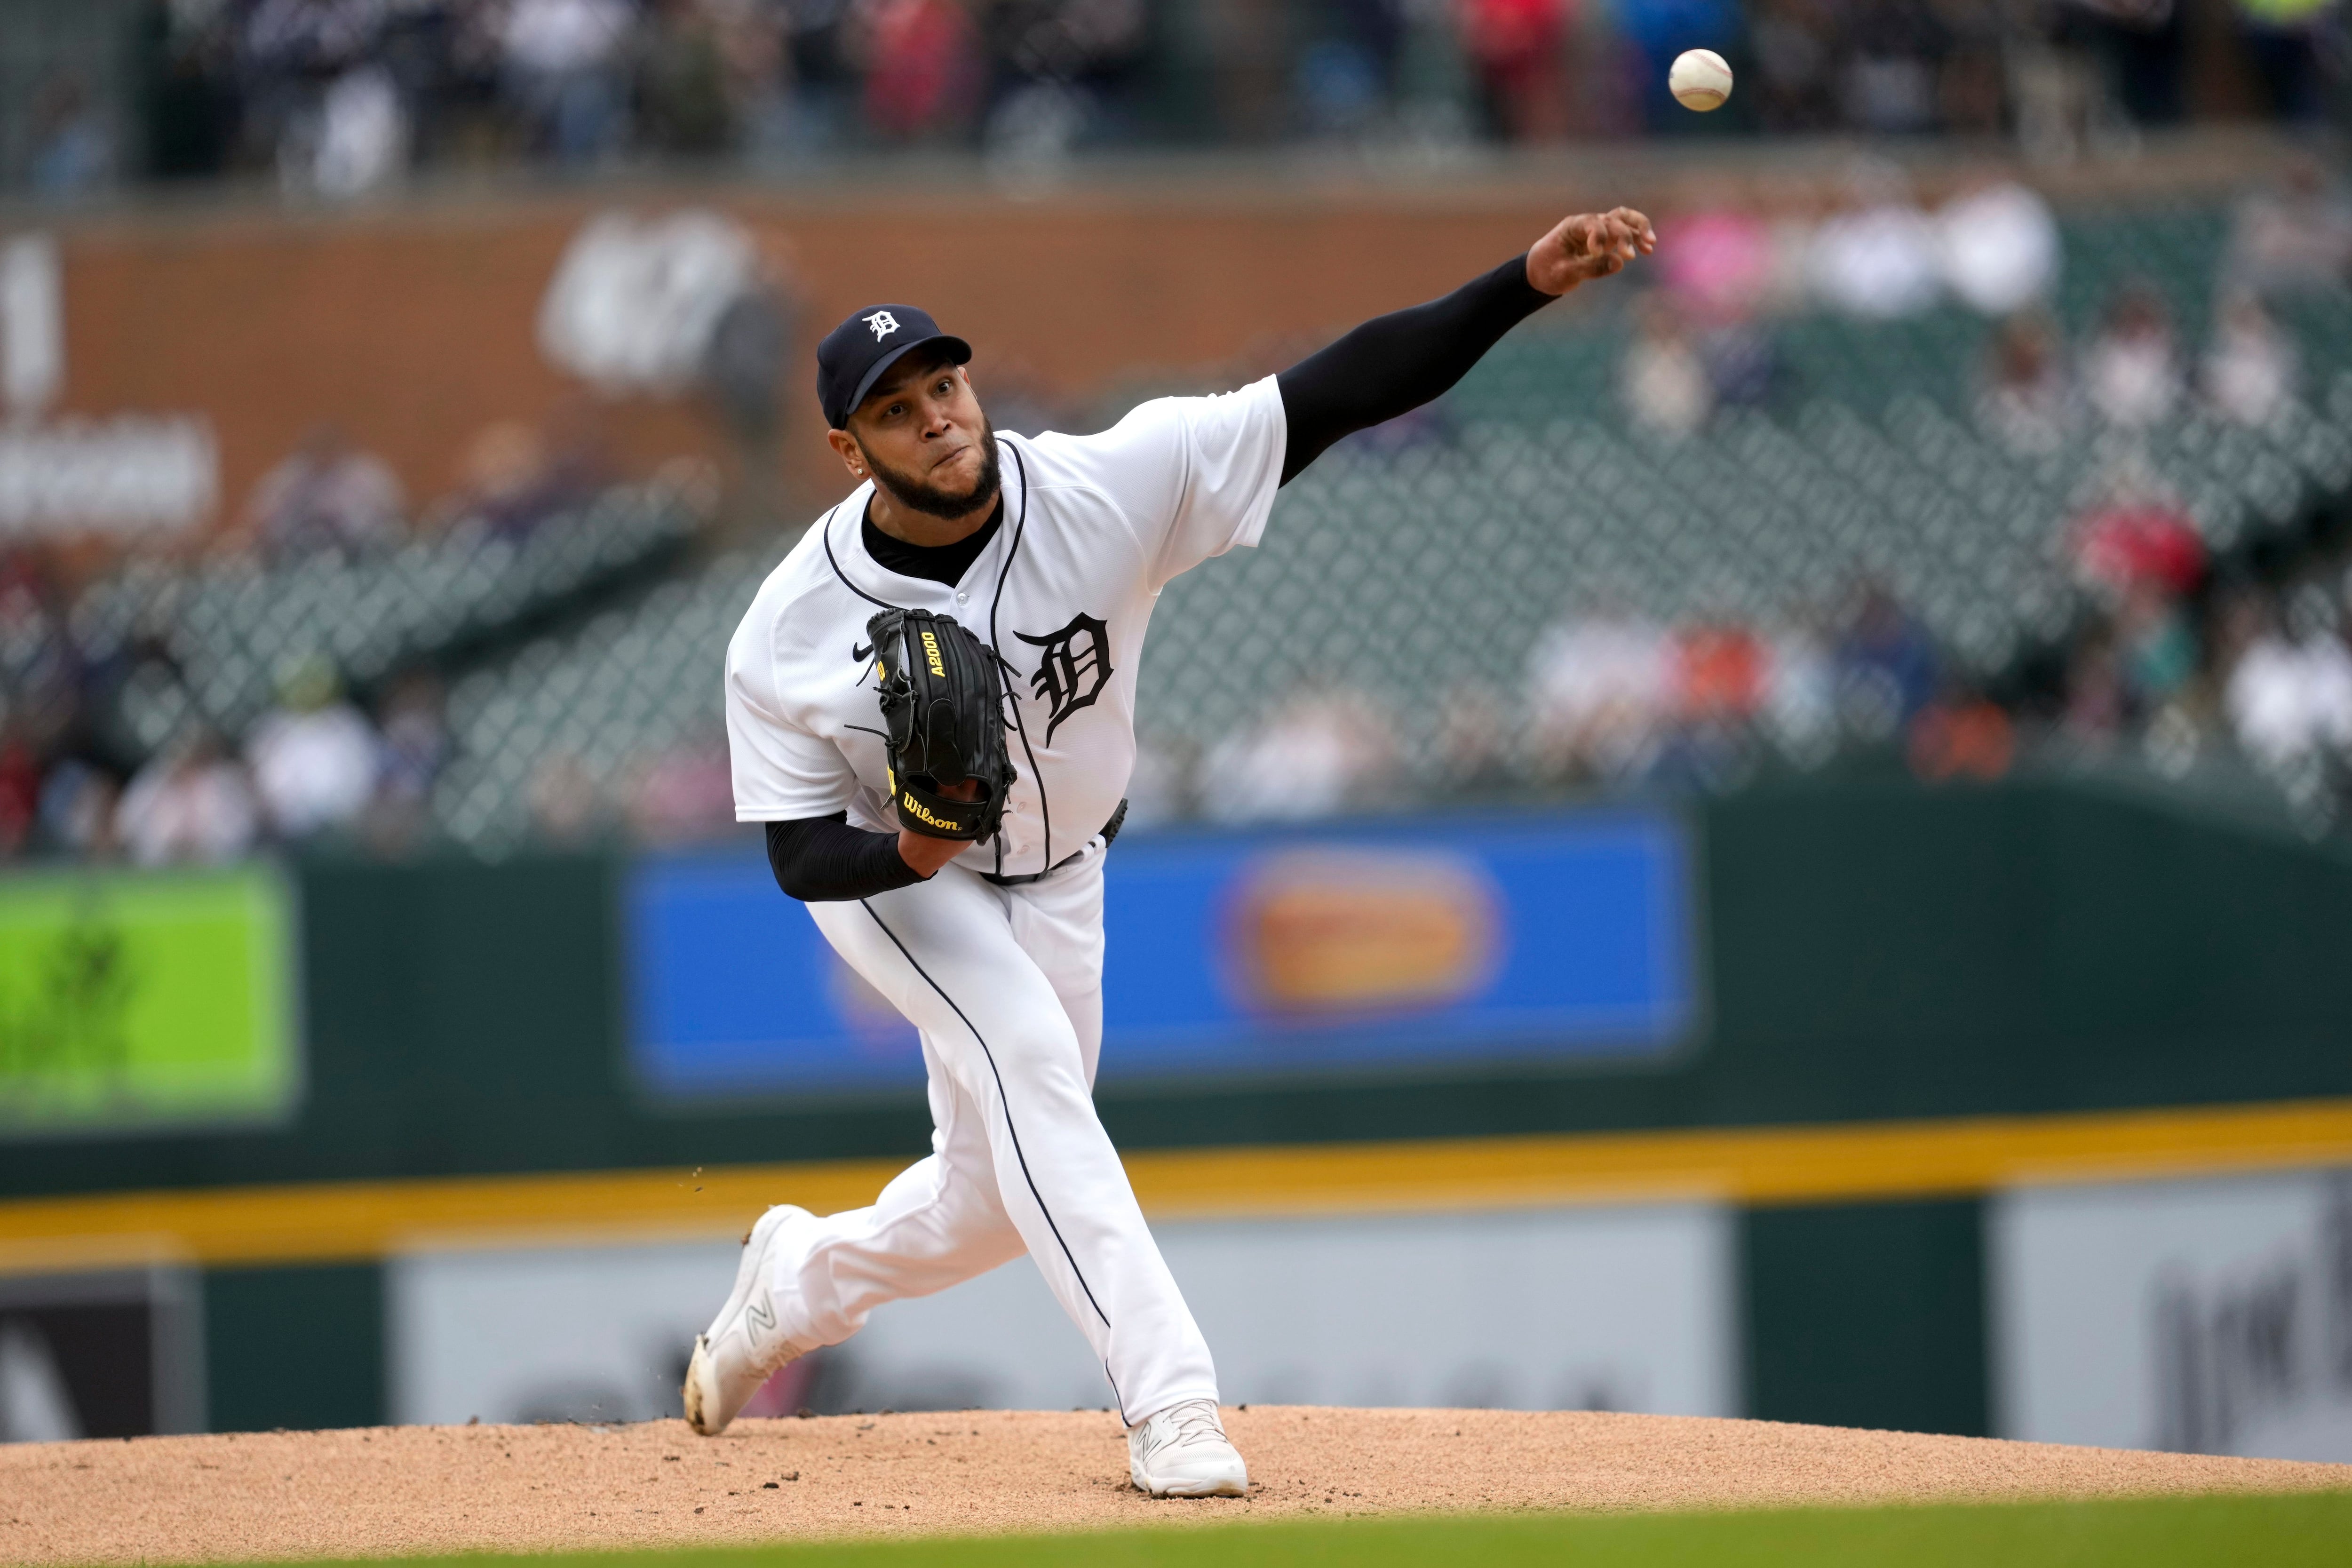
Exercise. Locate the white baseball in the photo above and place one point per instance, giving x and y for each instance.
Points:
(1699, 80)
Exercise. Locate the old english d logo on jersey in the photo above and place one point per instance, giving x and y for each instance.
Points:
(1073, 666)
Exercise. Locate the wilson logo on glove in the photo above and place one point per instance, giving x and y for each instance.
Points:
(944, 714)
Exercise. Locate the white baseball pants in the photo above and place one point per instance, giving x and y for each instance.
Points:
(1005, 986)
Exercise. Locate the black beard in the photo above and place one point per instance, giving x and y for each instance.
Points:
(914, 494)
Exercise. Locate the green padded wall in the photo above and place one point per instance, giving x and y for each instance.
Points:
(1867, 1315)
(294, 1348)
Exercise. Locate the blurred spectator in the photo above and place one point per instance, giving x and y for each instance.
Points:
(1666, 385)
(1321, 750)
(2294, 237)
(1719, 674)
(2250, 371)
(1055, 68)
(820, 69)
(188, 101)
(1600, 687)
(2131, 372)
(513, 477)
(413, 748)
(2290, 695)
(361, 139)
(1999, 247)
(1159, 789)
(1717, 263)
(1795, 44)
(2097, 700)
(1743, 366)
(78, 803)
(1792, 209)
(20, 792)
(44, 679)
(191, 803)
(71, 151)
(1800, 707)
(683, 796)
(565, 70)
(1515, 50)
(326, 495)
(292, 51)
(741, 375)
(1887, 84)
(1887, 664)
(1974, 72)
(1961, 735)
(2284, 39)
(2156, 645)
(566, 805)
(2136, 532)
(755, 73)
(2141, 45)
(922, 67)
(1473, 735)
(1879, 256)
(314, 756)
(2028, 402)
(682, 86)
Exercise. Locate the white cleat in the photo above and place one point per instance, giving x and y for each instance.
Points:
(746, 1341)
(1183, 1452)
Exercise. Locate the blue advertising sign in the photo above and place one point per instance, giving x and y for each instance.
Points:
(1419, 942)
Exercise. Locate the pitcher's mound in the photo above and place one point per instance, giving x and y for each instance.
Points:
(387, 1491)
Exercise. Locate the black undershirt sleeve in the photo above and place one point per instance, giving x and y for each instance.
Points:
(1394, 363)
(822, 859)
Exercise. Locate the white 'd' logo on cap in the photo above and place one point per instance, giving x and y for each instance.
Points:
(882, 322)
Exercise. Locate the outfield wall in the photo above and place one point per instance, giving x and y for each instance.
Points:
(1925, 1034)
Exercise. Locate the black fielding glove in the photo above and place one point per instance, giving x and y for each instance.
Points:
(943, 705)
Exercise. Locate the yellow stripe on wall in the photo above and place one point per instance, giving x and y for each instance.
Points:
(360, 1220)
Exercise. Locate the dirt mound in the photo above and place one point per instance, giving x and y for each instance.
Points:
(383, 1490)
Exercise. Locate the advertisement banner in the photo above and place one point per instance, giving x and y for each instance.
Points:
(118, 1353)
(2211, 1316)
(1417, 943)
(132, 1000)
(1622, 1309)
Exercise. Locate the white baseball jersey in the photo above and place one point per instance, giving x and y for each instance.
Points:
(1093, 526)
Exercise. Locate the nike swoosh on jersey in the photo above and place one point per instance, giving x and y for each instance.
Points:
(860, 651)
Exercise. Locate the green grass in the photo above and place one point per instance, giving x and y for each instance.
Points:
(2269, 1531)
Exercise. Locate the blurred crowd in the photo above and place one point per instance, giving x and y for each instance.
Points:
(1731, 268)
(2178, 654)
(324, 762)
(340, 96)
(318, 762)
(1611, 700)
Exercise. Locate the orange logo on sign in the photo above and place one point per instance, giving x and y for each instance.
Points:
(1332, 932)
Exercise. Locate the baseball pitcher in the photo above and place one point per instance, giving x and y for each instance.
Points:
(932, 707)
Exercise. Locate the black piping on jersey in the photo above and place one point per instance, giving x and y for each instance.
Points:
(1019, 1155)
(1012, 552)
(1045, 804)
(825, 534)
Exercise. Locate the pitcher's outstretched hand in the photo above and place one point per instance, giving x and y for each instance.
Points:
(1589, 246)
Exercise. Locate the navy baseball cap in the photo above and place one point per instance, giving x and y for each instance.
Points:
(870, 341)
